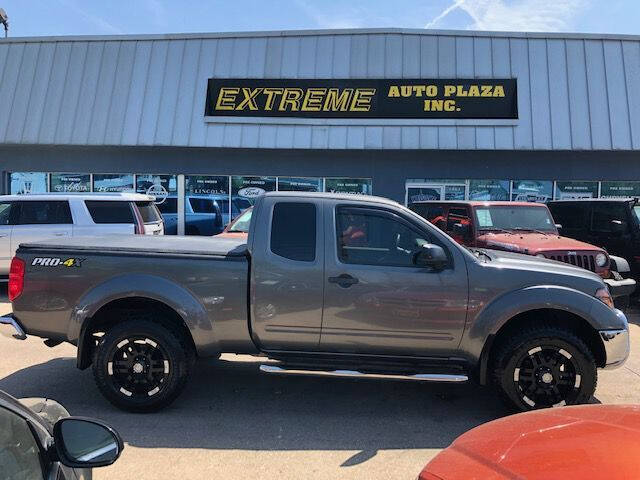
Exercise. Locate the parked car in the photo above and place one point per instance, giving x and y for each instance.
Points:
(572, 443)
(204, 214)
(610, 223)
(39, 440)
(324, 284)
(239, 228)
(521, 227)
(27, 218)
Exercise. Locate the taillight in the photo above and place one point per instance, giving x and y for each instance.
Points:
(16, 278)
(139, 226)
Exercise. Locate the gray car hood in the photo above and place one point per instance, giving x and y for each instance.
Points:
(228, 247)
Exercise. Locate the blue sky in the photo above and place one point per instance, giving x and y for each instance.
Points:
(80, 17)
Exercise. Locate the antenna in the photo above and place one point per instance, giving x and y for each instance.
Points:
(4, 19)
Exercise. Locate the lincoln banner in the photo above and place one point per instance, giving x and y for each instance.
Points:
(363, 98)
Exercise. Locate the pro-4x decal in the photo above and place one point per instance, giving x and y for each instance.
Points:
(57, 262)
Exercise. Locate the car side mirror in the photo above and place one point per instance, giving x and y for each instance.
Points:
(460, 229)
(430, 255)
(558, 226)
(86, 443)
(618, 227)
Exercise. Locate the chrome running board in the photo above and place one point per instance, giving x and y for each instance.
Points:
(421, 377)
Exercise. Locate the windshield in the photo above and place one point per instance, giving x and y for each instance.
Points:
(514, 218)
(241, 224)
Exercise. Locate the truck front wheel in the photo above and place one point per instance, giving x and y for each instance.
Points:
(545, 367)
(141, 366)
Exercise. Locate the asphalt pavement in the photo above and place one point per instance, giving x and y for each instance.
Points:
(233, 422)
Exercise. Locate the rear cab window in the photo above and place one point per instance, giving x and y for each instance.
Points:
(149, 212)
(110, 211)
(37, 212)
(293, 231)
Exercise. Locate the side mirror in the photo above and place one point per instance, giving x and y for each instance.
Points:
(460, 229)
(558, 226)
(431, 255)
(86, 443)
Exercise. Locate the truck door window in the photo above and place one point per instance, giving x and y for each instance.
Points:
(44, 213)
(605, 213)
(367, 237)
(293, 231)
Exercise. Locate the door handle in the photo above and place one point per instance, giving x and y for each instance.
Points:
(345, 280)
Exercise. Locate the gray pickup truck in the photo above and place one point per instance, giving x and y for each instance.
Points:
(324, 284)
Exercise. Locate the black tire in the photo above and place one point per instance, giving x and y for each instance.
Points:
(163, 356)
(544, 366)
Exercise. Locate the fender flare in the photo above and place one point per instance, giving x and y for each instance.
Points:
(485, 327)
(152, 287)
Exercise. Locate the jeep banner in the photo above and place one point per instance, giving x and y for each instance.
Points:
(363, 98)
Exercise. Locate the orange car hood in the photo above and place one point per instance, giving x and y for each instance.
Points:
(580, 442)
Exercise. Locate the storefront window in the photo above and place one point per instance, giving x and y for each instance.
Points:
(531, 190)
(361, 186)
(206, 205)
(421, 194)
(299, 184)
(117, 182)
(489, 190)
(165, 189)
(70, 182)
(570, 190)
(244, 191)
(454, 192)
(620, 189)
(28, 182)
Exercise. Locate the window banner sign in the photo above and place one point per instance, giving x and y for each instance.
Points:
(207, 185)
(113, 182)
(363, 98)
(70, 182)
(356, 186)
(489, 190)
(574, 190)
(540, 191)
(620, 189)
(252, 187)
(299, 184)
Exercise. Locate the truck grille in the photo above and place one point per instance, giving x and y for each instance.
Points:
(584, 261)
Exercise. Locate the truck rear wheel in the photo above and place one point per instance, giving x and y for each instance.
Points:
(141, 366)
(545, 367)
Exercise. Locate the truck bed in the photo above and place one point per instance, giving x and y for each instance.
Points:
(222, 247)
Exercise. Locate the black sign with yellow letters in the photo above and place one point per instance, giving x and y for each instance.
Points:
(363, 98)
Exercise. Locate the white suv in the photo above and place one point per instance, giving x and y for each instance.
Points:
(28, 218)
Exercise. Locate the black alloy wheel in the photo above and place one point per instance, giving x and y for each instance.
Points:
(545, 367)
(141, 365)
(138, 366)
(547, 376)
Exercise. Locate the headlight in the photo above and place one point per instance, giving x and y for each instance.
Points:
(604, 296)
(601, 259)
(541, 255)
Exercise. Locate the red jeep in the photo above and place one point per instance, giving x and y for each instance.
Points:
(519, 227)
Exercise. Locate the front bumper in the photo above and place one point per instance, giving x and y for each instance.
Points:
(10, 328)
(619, 288)
(616, 344)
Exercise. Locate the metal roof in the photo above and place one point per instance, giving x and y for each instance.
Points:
(575, 92)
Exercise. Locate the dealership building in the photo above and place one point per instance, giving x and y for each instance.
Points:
(405, 114)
